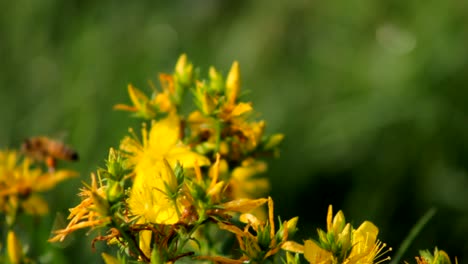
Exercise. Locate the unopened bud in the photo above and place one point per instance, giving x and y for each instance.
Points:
(15, 251)
(233, 83)
(184, 70)
(216, 80)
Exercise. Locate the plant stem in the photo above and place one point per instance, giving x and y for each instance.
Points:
(413, 234)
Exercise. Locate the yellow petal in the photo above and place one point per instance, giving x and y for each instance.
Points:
(293, 247)
(329, 218)
(49, 180)
(243, 205)
(251, 220)
(145, 242)
(338, 223)
(241, 108)
(138, 98)
(164, 134)
(185, 157)
(315, 254)
(364, 238)
(232, 228)
(125, 107)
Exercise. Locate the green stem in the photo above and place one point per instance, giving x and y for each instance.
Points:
(183, 241)
(413, 234)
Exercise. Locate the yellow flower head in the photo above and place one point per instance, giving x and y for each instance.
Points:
(152, 195)
(161, 142)
(367, 249)
(343, 244)
(20, 183)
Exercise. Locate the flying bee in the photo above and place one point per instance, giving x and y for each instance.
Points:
(48, 150)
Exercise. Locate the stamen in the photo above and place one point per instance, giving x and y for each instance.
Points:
(378, 252)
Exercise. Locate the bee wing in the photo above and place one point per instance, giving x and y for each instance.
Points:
(61, 136)
(60, 223)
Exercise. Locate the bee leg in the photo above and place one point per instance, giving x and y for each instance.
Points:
(51, 163)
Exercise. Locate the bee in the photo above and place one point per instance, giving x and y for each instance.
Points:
(48, 150)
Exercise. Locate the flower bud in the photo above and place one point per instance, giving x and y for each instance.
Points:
(184, 71)
(115, 191)
(216, 80)
(233, 83)
(15, 251)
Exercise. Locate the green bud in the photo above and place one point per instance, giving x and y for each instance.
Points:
(292, 259)
(179, 173)
(263, 236)
(184, 71)
(291, 226)
(323, 240)
(216, 81)
(115, 191)
(233, 83)
(101, 205)
(116, 168)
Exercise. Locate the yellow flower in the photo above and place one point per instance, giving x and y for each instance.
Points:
(155, 183)
(20, 183)
(261, 243)
(367, 249)
(343, 244)
(162, 142)
(154, 195)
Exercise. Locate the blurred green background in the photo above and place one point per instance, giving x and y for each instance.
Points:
(372, 97)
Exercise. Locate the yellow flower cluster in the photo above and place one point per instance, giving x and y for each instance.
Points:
(185, 175)
(21, 182)
(188, 186)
